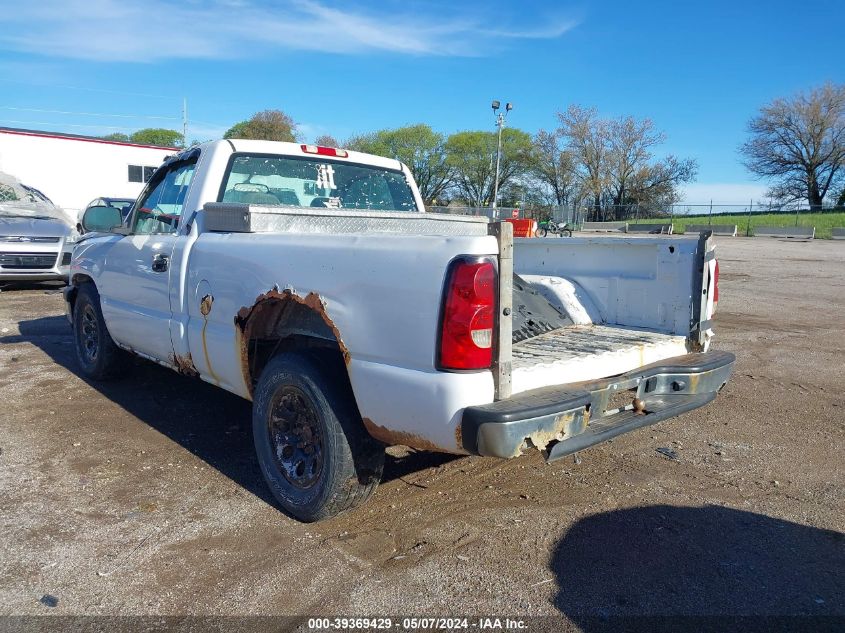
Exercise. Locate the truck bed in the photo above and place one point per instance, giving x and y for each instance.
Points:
(585, 352)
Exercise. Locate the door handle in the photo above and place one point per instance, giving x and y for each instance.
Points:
(160, 263)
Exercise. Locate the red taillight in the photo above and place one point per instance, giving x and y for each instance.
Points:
(469, 316)
(324, 151)
(716, 285)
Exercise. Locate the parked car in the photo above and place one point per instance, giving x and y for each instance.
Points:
(356, 320)
(36, 237)
(124, 205)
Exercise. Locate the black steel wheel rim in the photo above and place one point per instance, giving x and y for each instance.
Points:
(89, 334)
(296, 437)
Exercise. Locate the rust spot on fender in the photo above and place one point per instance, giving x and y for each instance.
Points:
(394, 438)
(184, 364)
(459, 435)
(205, 305)
(205, 308)
(252, 320)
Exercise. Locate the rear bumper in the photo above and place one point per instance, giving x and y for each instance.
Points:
(565, 419)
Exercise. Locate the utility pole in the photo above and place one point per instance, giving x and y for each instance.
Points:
(184, 121)
(500, 123)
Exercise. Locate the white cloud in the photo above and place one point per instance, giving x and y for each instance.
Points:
(115, 30)
(724, 193)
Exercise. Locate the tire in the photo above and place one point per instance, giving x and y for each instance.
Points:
(98, 356)
(541, 232)
(567, 232)
(315, 454)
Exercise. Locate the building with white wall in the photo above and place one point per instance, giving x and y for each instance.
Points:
(73, 170)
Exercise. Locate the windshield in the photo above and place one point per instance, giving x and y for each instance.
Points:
(19, 200)
(315, 182)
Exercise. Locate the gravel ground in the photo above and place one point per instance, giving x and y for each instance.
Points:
(143, 497)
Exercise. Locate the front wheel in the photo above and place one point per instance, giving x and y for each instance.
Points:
(314, 452)
(541, 232)
(98, 355)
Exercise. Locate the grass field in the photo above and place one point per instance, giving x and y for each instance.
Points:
(822, 221)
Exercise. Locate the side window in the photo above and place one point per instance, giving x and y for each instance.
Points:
(160, 208)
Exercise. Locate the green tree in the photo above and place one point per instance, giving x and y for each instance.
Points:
(116, 136)
(472, 156)
(157, 136)
(417, 146)
(267, 125)
(238, 130)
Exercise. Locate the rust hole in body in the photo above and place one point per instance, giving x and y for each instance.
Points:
(260, 320)
(184, 364)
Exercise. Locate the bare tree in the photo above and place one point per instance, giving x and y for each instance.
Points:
(587, 139)
(630, 142)
(657, 184)
(614, 160)
(798, 143)
(326, 140)
(554, 167)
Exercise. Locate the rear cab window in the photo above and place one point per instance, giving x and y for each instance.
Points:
(315, 182)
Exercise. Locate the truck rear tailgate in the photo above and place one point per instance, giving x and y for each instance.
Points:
(609, 351)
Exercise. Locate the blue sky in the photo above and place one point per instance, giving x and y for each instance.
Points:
(699, 70)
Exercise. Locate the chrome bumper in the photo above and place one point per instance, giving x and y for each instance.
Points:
(569, 418)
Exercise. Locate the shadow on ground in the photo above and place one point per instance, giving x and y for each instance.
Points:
(213, 424)
(709, 561)
(12, 286)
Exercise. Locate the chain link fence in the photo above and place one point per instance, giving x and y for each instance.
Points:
(634, 212)
(744, 216)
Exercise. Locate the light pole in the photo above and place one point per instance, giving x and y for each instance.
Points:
(500, 123)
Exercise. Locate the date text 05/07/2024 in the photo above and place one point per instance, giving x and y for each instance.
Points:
(416, 624)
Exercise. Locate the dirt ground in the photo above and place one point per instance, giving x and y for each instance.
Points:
(144, 497)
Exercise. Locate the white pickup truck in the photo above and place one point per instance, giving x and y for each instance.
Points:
(311, 281)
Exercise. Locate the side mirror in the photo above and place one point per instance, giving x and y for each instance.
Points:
(101, 219)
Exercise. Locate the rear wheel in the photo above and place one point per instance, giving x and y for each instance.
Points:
(567, 232)
(98, 355)
(314, 452)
